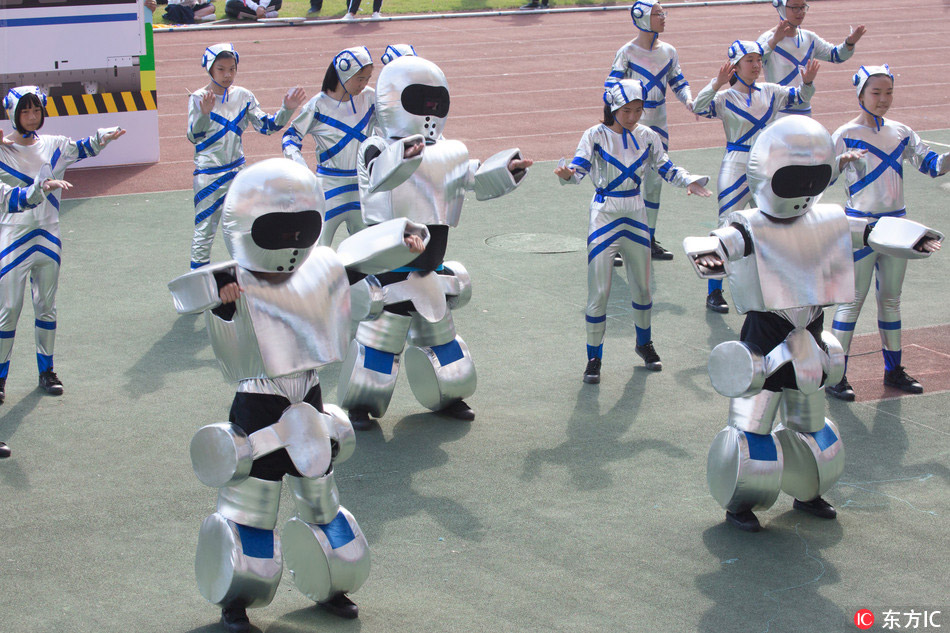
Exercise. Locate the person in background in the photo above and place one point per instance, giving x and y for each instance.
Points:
(534, 4)
(189, 11)
(251, 10)
(354, 6)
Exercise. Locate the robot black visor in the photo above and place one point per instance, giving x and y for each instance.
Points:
(796, 181)
(277, 231)
(423, 100)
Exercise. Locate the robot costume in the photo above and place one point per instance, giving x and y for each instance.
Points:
(783, 64)
(412, 102)
(785, 261)
(395, 51)
(743, 119)
(219, 152)
(291, 319)
(29, 237)
(656, 69)
(875, 188)
(618, 219)
(338, 127)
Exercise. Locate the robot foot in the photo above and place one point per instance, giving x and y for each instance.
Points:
(841, 391)
(4, 450)
(458, 410)
(235, 620)
(341, 606)
(716, 302)
(897, 377)
(817, 507)
(745, 520)
(359, 418)
(592, 373)
(650, 358)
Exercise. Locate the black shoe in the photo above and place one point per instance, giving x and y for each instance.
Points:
(841, 391)
(341, 606)
(235, 620)
(618, 260)
(359, 418)
(817, 506)
(49, 382)
(3, 390)
(592, 373)
(658, 252)
(716, 303)
(897, 377)
(532, 5)
(4, 450)
(459, 410)
(745, 520)
(315, 7)
(649, 356)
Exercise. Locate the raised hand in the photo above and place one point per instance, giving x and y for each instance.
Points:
(206, 102)
(810, 71)
(295, 98)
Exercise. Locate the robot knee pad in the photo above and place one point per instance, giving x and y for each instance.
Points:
(755, 414)
(341, 432)
(803, 412)
(438, 364)
(369, 371)
(744, 470)
(317, 500)
(813, 461)
(464, 281)
(835, 363)
(326, 559)
(736, 369)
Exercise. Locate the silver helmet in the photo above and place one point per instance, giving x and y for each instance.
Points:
(350, 61)
(640, 12)
(780, 7)
(790, 166)
(866, 72)
(273, 215)
(622, 93)
(15, 95)
(395, 51)
(412, 97)
(211, 53)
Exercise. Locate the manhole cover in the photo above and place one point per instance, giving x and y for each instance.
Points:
(536, 243)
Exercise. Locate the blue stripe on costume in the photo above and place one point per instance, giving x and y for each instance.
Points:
(336, 191)
(761, 447)
(45, 325)
(595, 351)
(209, 211)
(343, 208)
(36, 248)
(609, 227)
(929, 165)
(44, 363)
(593, 319)
(825, 437)
(378, 361)
(597, 250)
(338, 531)
(842, 326)
(448, 353)
(220, 170)
(217, 184)
(889, 325)
(255, 542)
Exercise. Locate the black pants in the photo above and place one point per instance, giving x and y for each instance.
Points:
(766, 330)
(355, 6)
(234, 7)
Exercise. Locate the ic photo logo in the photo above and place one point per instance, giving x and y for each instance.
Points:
(863, 619)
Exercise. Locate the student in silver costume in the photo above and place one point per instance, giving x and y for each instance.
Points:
(276, 314)
(339, 118)
(789, 48)
(618, 154)
(218, 115)
(875, 188)
(656, 65)
(30, 244)
(745, 108)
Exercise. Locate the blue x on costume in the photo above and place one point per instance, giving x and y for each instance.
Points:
(30, 245)
(875, 189)
(219, 152)
(656, 69)
(338, 127)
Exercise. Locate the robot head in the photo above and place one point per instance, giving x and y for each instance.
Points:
(211, 53)
(350, 61)
(272, 216)
(29, 96)
(622, 93)
(790, 166)
(412, 97)
(780, 7)
(866, 72)
(741, 48)
(394, 51)
(640, 12)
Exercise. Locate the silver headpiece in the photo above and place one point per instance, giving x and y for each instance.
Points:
(211, 53)
(350, 61)
(273, 215)
(780, 7)
(641, 12)
(741, 48)
(790, 166)
(394, 51)
(866, 72)
(622, 93)
(12, 100)
(412, 97)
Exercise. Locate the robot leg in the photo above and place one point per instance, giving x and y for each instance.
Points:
(343, 205)
(369, 371)
(890, 279)
(846, 316)
(238, 562)
(599, 276)
(210, 190)
(45, 279)
(326, 552)
(438, 364)
(814, 453)
(744, 467)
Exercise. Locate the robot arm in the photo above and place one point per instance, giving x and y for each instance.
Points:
(708, 255)
(381, 247)
(493, 178)
(197, 291)
(901, 237)
(385, 165)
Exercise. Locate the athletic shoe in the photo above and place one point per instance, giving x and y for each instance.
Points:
(359, 418)
(658, 252)
(4, 450)
(716, 302)
(208, 18)
(592, 373)
(459, 410)
(341, 606)
(897, 377)
(745, 520)
(349, 17)
(377, 15)
(50, 383)
(817, 507)
(841, 391)
(235, 620)
(649, 356)
(270, 14)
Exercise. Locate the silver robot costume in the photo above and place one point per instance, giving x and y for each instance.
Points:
(291, 319)
(875, 188)
(784, 63)
(785, 261)
(29, 238)
(412, 102)
(617, 164)
(219, 152)
(338, 127)
(656, 68)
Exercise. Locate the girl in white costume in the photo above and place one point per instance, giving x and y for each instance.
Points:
(744, 109)
(875, 188)
(339, 118)
(29, 238)
(218, 114)
(618, 153)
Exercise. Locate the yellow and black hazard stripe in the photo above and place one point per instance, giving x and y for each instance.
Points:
(104, 103)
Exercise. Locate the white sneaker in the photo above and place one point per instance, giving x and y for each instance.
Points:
(208, 18)
(349, 17)
(377, 15)
(270, 14)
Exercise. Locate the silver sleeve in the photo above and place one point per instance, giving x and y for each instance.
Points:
(390, 169)
(493, 179)
(381, 247)
(197, 291)
(899, 236)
